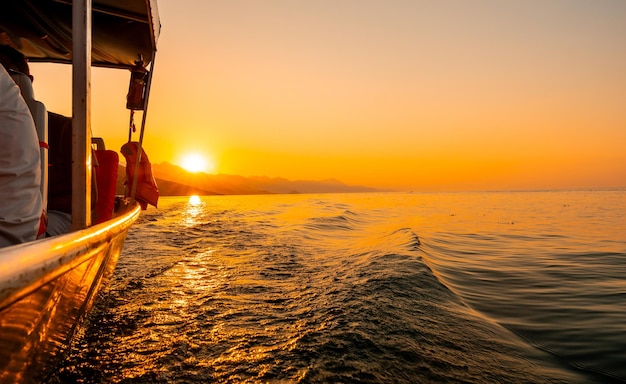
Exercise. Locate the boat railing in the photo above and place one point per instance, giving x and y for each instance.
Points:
(26, 267)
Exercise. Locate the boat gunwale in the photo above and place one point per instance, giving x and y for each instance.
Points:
(26, 267)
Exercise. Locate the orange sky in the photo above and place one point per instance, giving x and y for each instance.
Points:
(419, 95)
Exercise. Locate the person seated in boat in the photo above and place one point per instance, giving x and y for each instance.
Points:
(59, 209)
(20, 170)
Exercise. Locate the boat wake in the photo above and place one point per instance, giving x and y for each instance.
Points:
(292, 293)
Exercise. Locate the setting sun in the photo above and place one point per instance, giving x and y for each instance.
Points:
(194, 162)
(397, 99)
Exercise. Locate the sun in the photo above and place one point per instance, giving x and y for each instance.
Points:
(194, 162)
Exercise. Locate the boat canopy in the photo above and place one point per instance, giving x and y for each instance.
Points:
(121, 30)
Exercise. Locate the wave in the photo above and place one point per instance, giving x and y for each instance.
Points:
(347, 221)
(387, 307)
(561, 302)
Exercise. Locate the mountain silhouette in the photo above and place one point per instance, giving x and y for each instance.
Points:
(175, 181)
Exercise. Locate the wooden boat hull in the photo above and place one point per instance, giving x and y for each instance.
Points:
(46, 288)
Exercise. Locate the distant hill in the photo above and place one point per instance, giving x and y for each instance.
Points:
(166, 187)
(175, 181)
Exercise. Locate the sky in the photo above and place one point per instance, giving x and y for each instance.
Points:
(402, 95)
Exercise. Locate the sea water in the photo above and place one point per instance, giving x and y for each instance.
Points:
(498, 287)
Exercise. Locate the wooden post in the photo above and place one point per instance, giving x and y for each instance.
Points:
(81, 114)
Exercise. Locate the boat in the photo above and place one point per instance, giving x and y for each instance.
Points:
(47, 286)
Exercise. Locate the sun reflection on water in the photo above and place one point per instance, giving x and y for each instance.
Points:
(193, 211)
(194, 200)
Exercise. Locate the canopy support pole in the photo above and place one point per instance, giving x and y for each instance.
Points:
(81, 114)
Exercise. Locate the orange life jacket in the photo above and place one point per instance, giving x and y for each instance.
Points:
(147, 190)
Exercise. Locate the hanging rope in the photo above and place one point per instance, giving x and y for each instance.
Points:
(131, 125)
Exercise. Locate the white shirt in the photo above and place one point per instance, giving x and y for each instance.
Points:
(20, 173)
